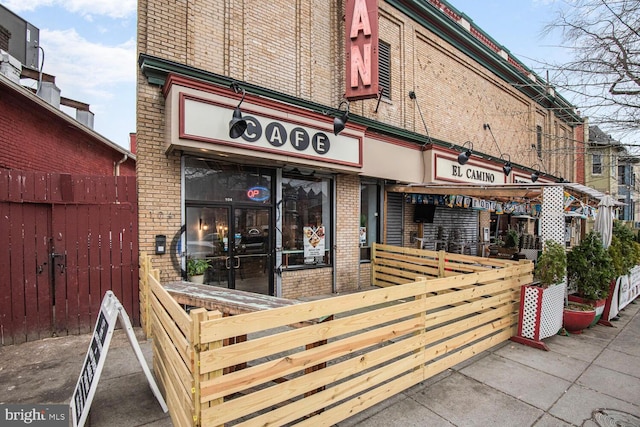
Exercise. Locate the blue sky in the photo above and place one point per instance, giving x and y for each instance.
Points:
(90, 47)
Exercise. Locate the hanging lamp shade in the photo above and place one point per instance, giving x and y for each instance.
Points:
(237, 125)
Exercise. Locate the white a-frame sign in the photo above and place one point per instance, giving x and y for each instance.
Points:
(110, 311)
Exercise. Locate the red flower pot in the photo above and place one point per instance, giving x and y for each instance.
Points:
(598, 305)
(574, 321)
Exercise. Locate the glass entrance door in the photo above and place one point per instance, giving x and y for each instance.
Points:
(250, 260)
(236, 242)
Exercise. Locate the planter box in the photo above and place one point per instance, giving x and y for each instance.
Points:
(598, 305)
(541, 311)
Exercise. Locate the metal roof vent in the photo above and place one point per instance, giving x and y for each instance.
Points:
(50, 93)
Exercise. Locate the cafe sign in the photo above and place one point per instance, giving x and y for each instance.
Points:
(267, 132)
(448, 169)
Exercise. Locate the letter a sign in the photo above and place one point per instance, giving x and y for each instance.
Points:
(110, 312)
(361, 48)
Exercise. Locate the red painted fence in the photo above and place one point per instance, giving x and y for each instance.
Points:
(66, 240)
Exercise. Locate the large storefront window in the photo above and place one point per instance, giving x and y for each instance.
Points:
(369, 203)
(211, 181)
(306, 223)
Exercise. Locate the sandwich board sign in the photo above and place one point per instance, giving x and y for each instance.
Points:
(110, 311)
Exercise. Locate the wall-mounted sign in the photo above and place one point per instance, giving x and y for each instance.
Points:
(209, 122)
(448, 169)
(361, 47)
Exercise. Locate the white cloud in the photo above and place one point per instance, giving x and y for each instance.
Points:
(86, 8)
(97, 74)
(88, 67)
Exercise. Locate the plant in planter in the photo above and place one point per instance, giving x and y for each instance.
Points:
(577, 317)
(511, 239)
(590, 271)
(196, 267)
(624, 250)
(508, 245)
(542, 303)
(625, 253)
(552, 264)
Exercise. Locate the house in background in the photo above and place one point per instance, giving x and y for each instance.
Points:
(68, 203)
(627, 189)
(601, 165)
(610, 168)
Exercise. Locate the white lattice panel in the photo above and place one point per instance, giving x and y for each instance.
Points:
(530, 312)
(552, 215)
(552, 309)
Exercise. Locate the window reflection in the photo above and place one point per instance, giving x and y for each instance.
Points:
(306, 220)
(211, 181)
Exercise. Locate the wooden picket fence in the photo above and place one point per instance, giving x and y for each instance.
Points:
(317, 363)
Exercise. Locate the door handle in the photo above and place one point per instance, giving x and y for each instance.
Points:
(237, 264)
(227, 264)
(62, 265)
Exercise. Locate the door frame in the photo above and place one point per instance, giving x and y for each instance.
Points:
(231, 251)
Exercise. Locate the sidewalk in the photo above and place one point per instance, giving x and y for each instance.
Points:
(509, 385)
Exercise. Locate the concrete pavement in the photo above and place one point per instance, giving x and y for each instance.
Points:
(589, 380)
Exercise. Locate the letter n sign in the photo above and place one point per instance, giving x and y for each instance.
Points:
(361, 48)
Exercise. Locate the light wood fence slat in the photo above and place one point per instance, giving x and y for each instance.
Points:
(243, 324)
(180, 372)
(178, 401)
(174, 310)
(366, 400)
(333, 375)
(449, 329)
(286, 365)
(435, 367)
(266, 346)
(175, 336)
(317, 363)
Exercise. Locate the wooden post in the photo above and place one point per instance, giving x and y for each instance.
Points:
(316, 367)
(441, 259)
(422, 317)
(210, 346)
(197, 316)
(373, 264)
(145, 290)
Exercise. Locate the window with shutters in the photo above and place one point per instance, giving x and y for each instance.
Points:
(384, 69)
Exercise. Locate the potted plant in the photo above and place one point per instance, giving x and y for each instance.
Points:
(577, 317)
(625, 253)
(196, 268)
(510, 244)
(624, 250)
(590, 271)
(542, 302)
(512, 239)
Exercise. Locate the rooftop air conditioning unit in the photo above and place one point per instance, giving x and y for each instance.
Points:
(24, 40)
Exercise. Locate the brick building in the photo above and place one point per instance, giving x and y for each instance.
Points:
(38, 136)
(290, 205)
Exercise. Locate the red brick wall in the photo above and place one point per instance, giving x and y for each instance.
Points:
(36, 140)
